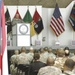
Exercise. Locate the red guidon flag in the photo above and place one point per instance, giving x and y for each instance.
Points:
(38, 23)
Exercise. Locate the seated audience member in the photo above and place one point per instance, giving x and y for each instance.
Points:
(30, 54)
(60, 60)
(44, 55)
(56, 52)
(68, 67)
(73, 57)
(36, 65)
(41, 50)
(67, 54)
(67, 51)
(13, 58)
(51, 54)
(50, 69)
(22, 58)
(41, 55)
(13, 66)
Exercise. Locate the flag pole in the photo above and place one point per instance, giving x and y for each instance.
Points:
(30, 40)
(73, 35)
(27, 7)
(57, 38)
(37, 36)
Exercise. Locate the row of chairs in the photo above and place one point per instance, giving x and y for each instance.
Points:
(24, 68)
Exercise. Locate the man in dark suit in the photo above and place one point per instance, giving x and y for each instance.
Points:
(36, 65)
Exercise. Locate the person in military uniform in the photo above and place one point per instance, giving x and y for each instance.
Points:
(44, 55)
(68, 67)
(60, 60)
(22, 61)
(50, 69)
(73, 57)
(17, 19)
(51, 54)
(41, 55)
(13, 59)
(30, 54)
(22, 58)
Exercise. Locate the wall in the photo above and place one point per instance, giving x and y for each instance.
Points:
(50, 38)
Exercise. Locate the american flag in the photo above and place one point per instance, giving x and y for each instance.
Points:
(56, 23)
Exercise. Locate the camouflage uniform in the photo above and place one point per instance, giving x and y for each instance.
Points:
(13, 69)
(52, 55)
(73, 58)
(14, 59)
(30, 56)
(49, 70)
(44, 57)
(15, 21)
(59, 62)
(13, 66)
(68, 73)
(23, 59)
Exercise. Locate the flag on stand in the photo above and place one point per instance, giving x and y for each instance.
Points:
(38, 24)
(57, 23)
(4, 64)
(17, 15)
(72, 18)
(8, 21)
(28, 19)
(32, 31)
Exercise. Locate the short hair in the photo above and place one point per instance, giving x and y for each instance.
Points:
(50, 61)
(61, 52)
(66, 48)
(49, 49)
(16, 51)
(23, 49)
(69, 63)
(41, 49)
(46, 49)
(36, 56)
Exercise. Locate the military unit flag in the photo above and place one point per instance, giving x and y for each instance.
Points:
(72, 18)
(17, 15)
(32, 30)
(56, 23)
(8, 21)
(28, 19)
(38, 24)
